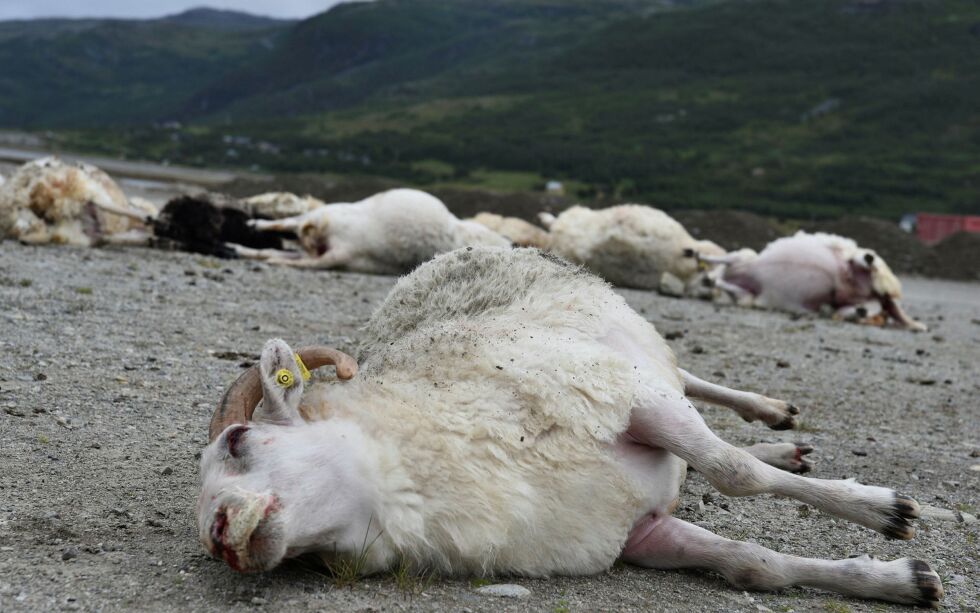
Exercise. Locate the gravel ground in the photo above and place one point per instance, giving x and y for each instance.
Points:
(111, 362)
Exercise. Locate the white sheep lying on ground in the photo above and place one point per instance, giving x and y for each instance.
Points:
(512, 416)
(519, 232)
(630, 245)
(50, 201)
(387, 233)
(810, 272)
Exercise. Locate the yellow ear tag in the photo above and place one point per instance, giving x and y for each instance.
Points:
(303, 372)
(284, 378)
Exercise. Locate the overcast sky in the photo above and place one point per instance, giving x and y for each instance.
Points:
(26, 9)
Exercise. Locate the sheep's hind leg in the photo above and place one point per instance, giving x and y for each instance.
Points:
(777, 414)
(664, 542)
(667, 419)
(286, 224)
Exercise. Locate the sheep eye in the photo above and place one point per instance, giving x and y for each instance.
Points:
(234, 441)
(869, 258)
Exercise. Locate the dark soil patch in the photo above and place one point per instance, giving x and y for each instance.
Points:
(730, 229)
(957, 257)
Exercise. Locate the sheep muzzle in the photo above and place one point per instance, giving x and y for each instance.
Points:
(239, 402)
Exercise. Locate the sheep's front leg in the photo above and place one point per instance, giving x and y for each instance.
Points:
(115, 210)
(787, 456)
(896, 312)
(261, 254)
(741, 296)
(335, 258)
(130, 238)
(667, 419)
(660, 541)
(777, 414)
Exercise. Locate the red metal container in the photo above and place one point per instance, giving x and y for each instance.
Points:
(931, 228)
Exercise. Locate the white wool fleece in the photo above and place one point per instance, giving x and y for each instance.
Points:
(494, 397)
(630, 245)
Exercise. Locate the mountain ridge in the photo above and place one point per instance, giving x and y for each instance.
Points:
(775, 106)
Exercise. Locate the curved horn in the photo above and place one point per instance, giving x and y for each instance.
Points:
(239, 402)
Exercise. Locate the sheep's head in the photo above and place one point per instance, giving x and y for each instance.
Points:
(256, 506)
(313, 235)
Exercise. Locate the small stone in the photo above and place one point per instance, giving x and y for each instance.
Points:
(782, 363)
(975, 453)
(803, 510)
(167, 471)
(259, 601)
(13, 411)
(975, 468)
(859, 452)
(95, 446)
(956, 579)
(697, 349)
(504, 590)
(69, 554)
(673, 336)
(40, 376)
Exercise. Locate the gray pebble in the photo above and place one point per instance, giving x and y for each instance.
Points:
(504, 590)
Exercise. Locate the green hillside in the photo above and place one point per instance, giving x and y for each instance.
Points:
(56, 73)
(779, 106)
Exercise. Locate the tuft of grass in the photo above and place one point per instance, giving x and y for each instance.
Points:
(836, 606)
(83, 290)
(411, 581)
(560, 607)
(42, 439)
(346, 570)
(476, 582)
(25, 282)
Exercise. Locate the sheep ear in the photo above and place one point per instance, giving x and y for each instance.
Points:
(283, 377)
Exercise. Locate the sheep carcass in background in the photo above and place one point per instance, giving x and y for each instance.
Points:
(387, 233)
(51, 201)
(812, 272)
(631, 245)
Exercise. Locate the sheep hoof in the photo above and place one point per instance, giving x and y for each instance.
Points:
(787, 423)
(928, 583)
(899, 522)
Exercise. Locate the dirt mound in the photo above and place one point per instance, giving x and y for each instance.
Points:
(730, 229)
(957, 257)
(323, 187)
(525, 205)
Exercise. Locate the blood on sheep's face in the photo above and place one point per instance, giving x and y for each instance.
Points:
(270, 492)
